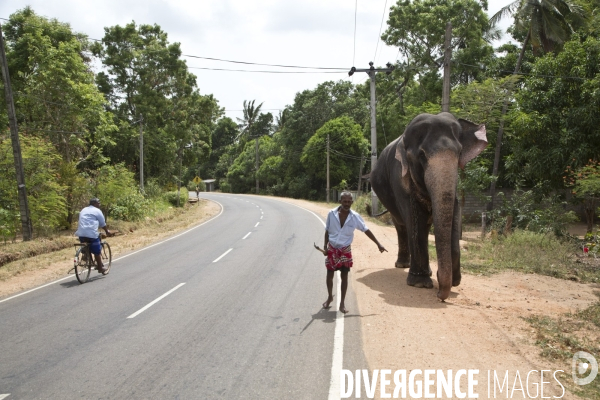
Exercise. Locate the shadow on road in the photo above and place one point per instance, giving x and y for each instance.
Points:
(75, 282)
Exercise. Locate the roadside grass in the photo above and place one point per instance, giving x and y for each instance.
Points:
(530, 252)
(544, 254)
(559, 338)
(19, 257)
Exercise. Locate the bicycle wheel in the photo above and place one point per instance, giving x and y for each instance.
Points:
(106, 256)
(83, 264)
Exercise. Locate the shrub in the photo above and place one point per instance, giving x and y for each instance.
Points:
(171, 197)
(546, 215)
(225, 186)
(9, 224)
(152, 189)
(130, 207)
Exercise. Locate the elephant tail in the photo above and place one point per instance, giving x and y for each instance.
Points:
(370, 211)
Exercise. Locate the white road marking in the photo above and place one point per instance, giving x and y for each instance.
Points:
(3, 396)
(120, 258)
(338, 348)
(338, 337)
(246, 235)
(257, 224)
(261, 217)
(222, 255)
(141, 310)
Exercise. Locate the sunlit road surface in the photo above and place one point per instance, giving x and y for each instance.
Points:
(230, 309)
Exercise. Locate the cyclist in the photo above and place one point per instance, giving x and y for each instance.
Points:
(90, 219)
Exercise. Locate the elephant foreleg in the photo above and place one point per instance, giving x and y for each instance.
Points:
(455, 246)
(403, 260)
(419, 274)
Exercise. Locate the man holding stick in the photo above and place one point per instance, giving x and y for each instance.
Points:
(339, 233)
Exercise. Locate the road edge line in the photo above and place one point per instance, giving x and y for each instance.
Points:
(120, 258)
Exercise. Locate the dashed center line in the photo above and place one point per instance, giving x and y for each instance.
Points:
(257, 224)
(3, 396)
(141, 310)
(223, 255)
(246, 235)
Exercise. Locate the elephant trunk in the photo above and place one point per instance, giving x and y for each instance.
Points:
(441, 178)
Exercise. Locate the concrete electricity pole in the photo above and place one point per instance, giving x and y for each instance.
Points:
(141, 154)
(328, 168)
(16, 146)
(256, 175)
(371, 72)
(447, 59)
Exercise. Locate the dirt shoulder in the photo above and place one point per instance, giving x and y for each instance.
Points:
(479, 327)
(39, 270)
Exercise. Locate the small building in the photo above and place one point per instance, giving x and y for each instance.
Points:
(210, 184)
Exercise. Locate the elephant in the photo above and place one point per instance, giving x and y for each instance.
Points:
(415, 178)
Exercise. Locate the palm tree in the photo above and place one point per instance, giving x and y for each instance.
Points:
(251, 115)
(547, 25)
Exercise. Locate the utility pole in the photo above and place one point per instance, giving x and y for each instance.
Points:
(447, 59)
(362, 160)
(16, 146)
(328, 168)
(141, 154)
(371, 72)
(179, 151)
(256, 165)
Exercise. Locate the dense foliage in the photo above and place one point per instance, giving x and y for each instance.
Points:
(81, 131)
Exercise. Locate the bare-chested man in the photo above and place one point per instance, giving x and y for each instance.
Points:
(339, 233)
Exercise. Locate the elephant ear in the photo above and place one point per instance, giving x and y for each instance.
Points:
(473, 140)
(401, 155)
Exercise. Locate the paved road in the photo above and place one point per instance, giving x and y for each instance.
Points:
(234, 313)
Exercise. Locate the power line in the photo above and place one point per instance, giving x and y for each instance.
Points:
(335, 69)
(379, 35)
(266, 65)
(354, 52)
(270, 72)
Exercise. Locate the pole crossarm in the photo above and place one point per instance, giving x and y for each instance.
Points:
(387, 70)
(371, 72)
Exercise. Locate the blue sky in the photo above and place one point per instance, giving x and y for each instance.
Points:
(315, 33)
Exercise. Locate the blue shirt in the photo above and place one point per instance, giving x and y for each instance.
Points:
(342, 236)
(90, 219)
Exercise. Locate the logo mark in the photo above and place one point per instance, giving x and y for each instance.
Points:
(581, 367)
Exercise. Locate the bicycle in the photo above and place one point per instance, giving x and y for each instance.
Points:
(84, 261)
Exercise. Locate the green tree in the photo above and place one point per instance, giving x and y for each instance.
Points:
(310, 110)
(585, 184)
(56, 97)
(347, 145)
(417, 28)
(222, 138)
(556, 124)
(241, 175)
(146, 80)
(251, 114)
(45, 194)
(546, 23)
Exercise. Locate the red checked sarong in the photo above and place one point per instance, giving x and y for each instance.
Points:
(338, 258)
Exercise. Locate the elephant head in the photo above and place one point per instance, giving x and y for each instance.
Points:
(430, 151)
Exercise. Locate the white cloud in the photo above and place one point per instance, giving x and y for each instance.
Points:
(306, 33)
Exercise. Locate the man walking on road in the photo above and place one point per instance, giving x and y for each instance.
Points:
(339, 233)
